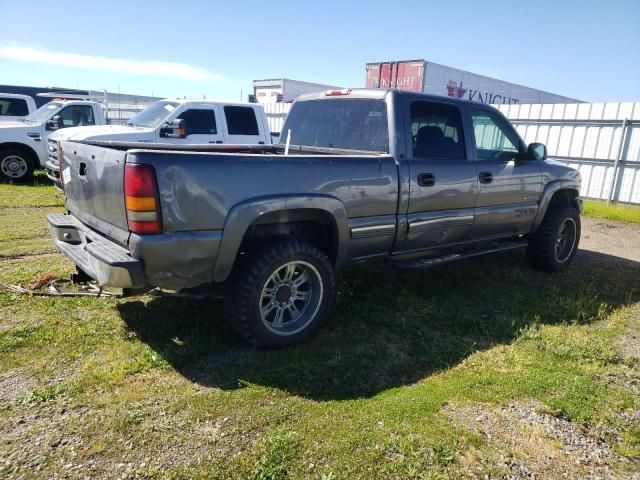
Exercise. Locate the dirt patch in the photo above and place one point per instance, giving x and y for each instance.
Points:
(618, 239)
(630, 345)
(67, 441)
(530, 444)
(36, 433)
(14, 384)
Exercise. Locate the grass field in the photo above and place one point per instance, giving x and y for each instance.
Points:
(441, 373)
(612, 211)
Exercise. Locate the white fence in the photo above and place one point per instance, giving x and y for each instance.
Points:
(120, 113)
(602, 140)
(276, 113)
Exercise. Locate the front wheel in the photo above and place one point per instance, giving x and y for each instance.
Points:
(281, 294)
(16, 165)
(554, 244)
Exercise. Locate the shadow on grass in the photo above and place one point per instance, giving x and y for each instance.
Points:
(389, 328)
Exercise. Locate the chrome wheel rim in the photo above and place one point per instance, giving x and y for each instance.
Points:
(13, 166)
(290, 298)
(565, 240)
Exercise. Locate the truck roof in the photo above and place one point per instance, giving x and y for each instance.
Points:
(202, 100)
(379, 93)
(73, 100)
(15, 95)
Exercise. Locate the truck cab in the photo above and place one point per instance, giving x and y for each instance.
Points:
(175, 122)
(14, 106)
(23, 141)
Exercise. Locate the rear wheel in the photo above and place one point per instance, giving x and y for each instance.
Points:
(16, 165)
(281, 294)
(555, 243)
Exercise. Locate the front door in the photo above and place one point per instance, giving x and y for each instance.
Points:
(443, 181)
(202, 126)
(509, 186)
(71, 116)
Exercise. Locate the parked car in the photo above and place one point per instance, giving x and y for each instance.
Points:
(14, 106)
(23, 142)
(175, 122)
(415, 179)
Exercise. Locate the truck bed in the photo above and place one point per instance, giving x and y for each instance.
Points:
(276, 149)
(200, 185)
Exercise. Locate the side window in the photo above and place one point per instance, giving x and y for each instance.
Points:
(13, 107)
(436, 129)
(493, 139)
(199, 121)
(77, 116)
(241, 121)
(84, 115)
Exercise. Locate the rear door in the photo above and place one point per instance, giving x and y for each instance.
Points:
(509, 187)
(443, 180)
(243, 125)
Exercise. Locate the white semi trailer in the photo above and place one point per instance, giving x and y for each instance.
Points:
(429, 77)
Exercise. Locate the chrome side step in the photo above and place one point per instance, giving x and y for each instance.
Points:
(489, 248)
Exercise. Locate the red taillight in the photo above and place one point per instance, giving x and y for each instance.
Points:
(335, 93)
(141, 199)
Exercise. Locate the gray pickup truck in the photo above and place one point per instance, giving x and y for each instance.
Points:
(416, 179)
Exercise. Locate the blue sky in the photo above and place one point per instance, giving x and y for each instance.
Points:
(583, 49)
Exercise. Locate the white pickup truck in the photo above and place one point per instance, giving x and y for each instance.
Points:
(175, 122)
(14, 106)
(23, 141)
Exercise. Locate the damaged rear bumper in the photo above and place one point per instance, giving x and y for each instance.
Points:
(172, 260)
(103, 260)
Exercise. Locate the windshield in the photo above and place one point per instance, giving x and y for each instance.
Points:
(354, 124)
(153, 114)
(45, 112)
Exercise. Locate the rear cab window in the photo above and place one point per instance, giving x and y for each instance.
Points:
(13, 107)
(436, 130)
(352, 124)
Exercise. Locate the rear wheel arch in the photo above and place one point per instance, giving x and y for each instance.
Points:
(299, 217)
(315, 226)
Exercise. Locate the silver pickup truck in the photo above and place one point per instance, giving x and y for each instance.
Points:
(416, 179)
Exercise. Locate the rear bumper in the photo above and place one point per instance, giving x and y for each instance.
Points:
(173, 260)
(103, 260)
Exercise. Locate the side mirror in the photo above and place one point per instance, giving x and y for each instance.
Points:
(537, 151)
(174, 129)
(54, 123)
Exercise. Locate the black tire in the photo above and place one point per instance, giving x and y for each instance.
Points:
(256, 287)
(16, 165)
(546, 250)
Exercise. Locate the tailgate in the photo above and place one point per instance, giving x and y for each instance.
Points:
(93, 180)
